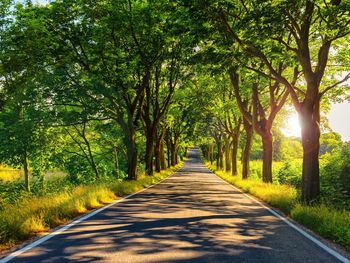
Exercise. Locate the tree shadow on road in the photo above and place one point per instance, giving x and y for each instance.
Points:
(192, 216)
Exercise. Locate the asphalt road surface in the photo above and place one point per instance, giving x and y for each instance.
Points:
(192, 216)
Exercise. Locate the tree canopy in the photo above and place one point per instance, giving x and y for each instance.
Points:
(125, 87)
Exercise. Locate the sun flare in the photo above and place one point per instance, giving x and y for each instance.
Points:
(292, 126)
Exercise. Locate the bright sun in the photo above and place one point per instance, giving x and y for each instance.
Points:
(292, 126)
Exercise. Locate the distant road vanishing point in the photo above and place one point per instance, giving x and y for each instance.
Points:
(192, 216)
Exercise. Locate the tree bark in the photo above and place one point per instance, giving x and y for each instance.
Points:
(247, 147)
(234, 154)
(218, 158)
(131, 150)
(157, 158)
(116, 161)
(267, 157)
(176, 154)
(162, 155)
(220, 153)
(26, 170)
(172, 155)
(92, 160)
(310, 136)
(89, 155)
(169, 153)
(227, 154)
(149, 151)
(207, 151)
(211, 155)
(157, 152)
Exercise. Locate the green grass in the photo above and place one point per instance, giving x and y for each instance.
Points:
(35, 215)
(326, 221)
(281, 196)
(323, 219)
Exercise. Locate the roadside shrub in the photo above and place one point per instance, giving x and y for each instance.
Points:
(335, 178)
(290, 173)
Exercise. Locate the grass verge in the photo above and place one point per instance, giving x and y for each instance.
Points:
(36, 215)
(323, 219)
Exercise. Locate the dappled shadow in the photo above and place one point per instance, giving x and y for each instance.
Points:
(192, 216)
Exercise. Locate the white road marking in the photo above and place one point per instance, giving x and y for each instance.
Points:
(295, 227)
(75, 222)
(83, 218)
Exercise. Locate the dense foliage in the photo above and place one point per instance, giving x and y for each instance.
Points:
(108, 91)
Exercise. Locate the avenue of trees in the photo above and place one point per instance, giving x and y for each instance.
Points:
(90, 87)
(101, 89)
(274, 52)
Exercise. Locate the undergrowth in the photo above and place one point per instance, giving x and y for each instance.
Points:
(36, 214)
(324, 219)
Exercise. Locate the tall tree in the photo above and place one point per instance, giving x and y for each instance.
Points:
(302, 33)
(104, 52)
(159, 93)
(244, 105)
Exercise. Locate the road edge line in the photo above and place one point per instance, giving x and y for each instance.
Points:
(60, 230)
(290, 224)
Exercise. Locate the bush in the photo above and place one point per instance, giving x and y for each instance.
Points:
(290, 173)
(335, 178)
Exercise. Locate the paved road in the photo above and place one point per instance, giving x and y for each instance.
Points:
(192, 216)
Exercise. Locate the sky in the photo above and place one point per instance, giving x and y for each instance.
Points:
(338, 117)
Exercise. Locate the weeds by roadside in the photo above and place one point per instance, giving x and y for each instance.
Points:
(325, 220)
(34, 215)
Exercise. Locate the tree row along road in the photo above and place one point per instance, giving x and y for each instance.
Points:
(192, 216)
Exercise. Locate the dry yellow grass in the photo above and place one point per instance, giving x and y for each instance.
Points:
(324, 219)
(38, 214)
(8, 174)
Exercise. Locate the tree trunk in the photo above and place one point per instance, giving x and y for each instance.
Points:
(116, 161)
(227, 155)
(176, 157)
(234, 154)
(247, 147)
(172, 154)
(169, 153)
(310, 136)
(207, 151)
(218, 158)
(149, 152)
(162, 155)
(157, 156)
(92, 162)
(130, 142)
(221, 163)
(90, 156)
(211, 153)
(267, 157)
(26, 171)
